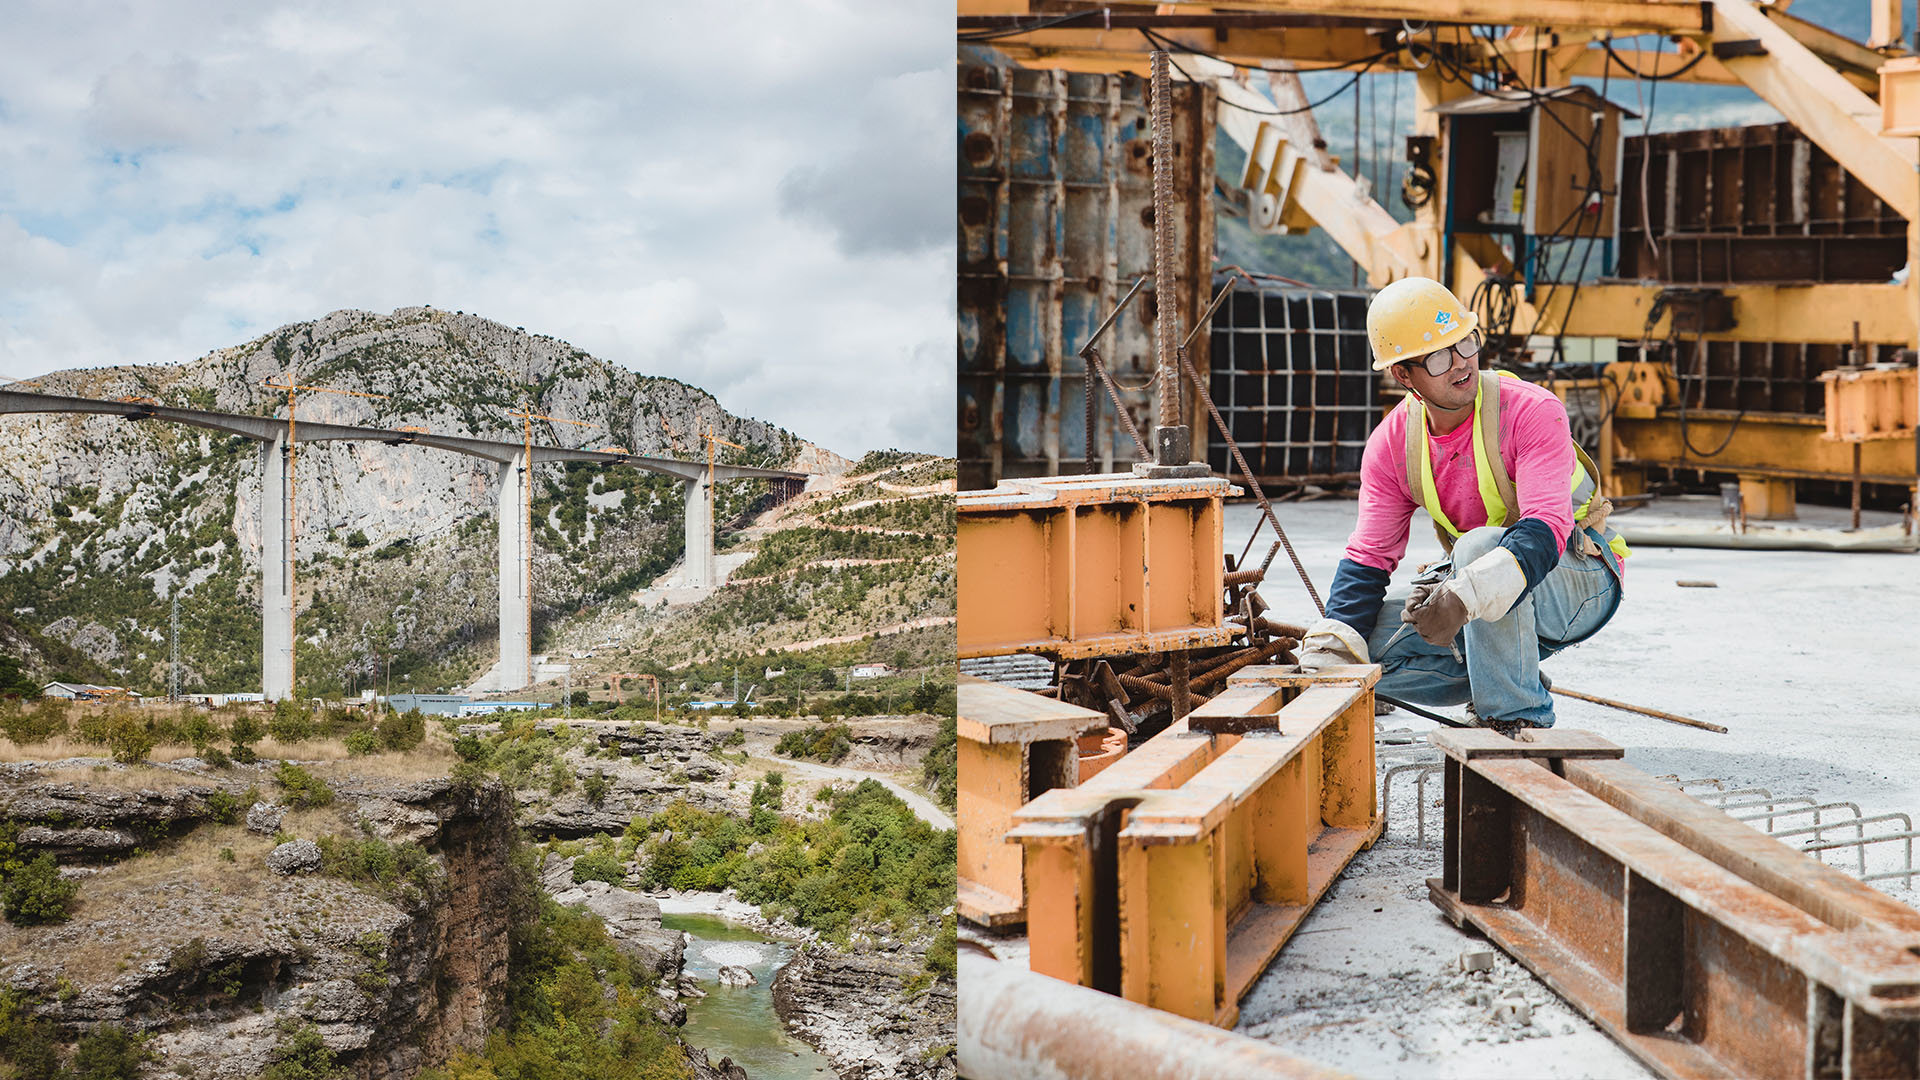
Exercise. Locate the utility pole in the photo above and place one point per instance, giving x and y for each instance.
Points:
(173, 660)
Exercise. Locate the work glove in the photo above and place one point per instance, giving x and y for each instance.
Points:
(1483, 589)
(1330, 642)
(1436, 612)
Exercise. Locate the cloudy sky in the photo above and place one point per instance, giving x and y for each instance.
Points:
(754, 197)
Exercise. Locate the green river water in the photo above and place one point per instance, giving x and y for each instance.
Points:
(739, 1021)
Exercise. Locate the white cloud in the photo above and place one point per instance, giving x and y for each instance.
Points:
(755, 198)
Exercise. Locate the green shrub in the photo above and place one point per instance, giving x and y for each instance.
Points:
(362, 743)
(828, 743)
(229, 809)
(403, 731)
(199, 731)
(292, 722)
(216, 757)
(300, 1054)
(595, 787)
(302, 788)
(49, 721)
(27, 1043)
(369, 860)
(128, 738)
(941, 954)
(246, 731)
(599, 865)
(36, 893)
(109, 1052)
(189, 957)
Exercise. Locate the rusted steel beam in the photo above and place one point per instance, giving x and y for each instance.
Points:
(1014, 1024)
(1012, 746)
(1692, 966)
(1085, 566)
(1173, 877)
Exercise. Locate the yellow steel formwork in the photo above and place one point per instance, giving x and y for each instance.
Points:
(1012, 746)
(1077, 566)
(1174, 877)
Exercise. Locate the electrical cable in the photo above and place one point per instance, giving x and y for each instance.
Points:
(1607, 42)
(1170, 46)
(1016, 31)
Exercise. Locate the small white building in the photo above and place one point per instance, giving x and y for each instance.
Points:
(87, 692)
(873, 671)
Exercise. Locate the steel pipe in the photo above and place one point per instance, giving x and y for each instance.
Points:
(1018, 1025)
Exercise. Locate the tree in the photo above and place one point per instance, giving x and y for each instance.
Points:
(36, 893)
(14, 681)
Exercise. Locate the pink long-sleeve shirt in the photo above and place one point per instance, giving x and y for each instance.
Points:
(1535, 443)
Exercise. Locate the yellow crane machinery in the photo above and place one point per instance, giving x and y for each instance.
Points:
(712, 440)
(293, 387)
(527, 416)
(1525, 57)
(620, 698)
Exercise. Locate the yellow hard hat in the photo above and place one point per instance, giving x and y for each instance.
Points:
(1413, 317)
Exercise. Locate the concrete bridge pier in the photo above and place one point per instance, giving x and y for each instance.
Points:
(276, 558)
(516, 591)
(697, 565)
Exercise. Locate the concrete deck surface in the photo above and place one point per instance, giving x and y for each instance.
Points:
(1811, 659)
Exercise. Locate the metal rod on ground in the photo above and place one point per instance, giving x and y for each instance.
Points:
(1623, 706)
(1418, 711)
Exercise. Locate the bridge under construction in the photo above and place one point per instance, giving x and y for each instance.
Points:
(277, 439)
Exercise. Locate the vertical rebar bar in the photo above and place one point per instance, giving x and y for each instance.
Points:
(1165, 288)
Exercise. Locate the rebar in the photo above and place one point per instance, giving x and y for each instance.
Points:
(1092, 357)
(1166, 324)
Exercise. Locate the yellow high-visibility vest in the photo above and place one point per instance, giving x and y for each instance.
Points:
(1496, 487)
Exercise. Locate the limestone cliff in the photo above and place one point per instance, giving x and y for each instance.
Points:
(184, 934)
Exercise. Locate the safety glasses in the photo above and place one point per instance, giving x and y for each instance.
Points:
(1440, 361)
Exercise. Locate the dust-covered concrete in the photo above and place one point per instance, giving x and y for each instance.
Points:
(1808, 658)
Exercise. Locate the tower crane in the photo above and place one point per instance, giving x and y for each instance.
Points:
(291, 386)
(713, 439)
(527, 416)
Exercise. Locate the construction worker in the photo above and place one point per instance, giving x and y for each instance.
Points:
(1531, 568)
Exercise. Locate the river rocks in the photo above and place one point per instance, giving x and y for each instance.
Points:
(856, 1009)
(633, 920)
(732, 975)
(264, 818)
(294, 857)
(703, 1069)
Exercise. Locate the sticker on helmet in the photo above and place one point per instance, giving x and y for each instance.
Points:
(1444, 320)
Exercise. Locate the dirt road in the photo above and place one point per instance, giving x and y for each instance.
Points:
(922, 807)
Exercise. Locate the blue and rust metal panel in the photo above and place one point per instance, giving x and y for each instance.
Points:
(1055, 224)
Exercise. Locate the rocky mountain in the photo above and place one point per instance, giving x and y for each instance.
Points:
(104, 522)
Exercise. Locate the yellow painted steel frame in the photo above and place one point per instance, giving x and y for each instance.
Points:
(1001, 731)
(1175, 876)
(1077, 566)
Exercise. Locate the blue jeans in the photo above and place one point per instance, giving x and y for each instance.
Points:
(1501, 673)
